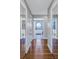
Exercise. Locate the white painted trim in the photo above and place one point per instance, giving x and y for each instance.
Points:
(27, 49)
(53, 5)
(22, 3)
(50, 48)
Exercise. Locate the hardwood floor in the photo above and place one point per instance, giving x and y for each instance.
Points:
(55, 48)
(22, 51)
(38, 50)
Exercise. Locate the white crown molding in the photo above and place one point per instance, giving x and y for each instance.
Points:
(22, 3)
(54, 4)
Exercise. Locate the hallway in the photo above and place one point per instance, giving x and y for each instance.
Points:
(38, 50)
(39, 29)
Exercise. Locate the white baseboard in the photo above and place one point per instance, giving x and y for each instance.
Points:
(50, 48)
(27, 48)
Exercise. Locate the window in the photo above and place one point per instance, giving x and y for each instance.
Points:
(38, 26)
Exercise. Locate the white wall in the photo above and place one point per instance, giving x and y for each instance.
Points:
(52, 11)
(22, 31)
(49, 36)
(28, 32)
(22, 17)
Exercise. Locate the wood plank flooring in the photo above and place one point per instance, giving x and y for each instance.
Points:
(38, 50)
(22, 51)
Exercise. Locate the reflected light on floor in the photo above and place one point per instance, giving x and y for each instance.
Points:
(38, 49)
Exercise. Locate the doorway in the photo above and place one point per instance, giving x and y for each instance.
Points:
(38, 29)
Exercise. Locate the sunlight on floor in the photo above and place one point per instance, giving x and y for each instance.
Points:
(39, 49)
(38, 43)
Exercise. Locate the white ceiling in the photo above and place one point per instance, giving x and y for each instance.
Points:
(39, 7)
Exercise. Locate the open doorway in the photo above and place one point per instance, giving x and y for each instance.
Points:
(38, 29)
